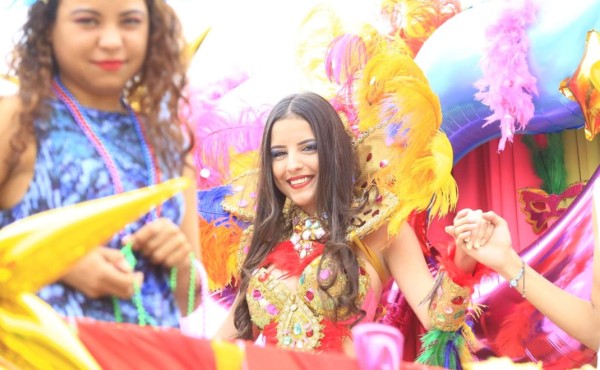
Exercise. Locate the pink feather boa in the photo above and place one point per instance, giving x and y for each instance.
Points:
(507, 85)
(217, 132)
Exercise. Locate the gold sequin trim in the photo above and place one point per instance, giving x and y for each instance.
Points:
(449, 304)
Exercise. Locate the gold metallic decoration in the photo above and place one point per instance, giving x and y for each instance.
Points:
(192, 47)
(449, 304)
(242, 203)
(299, 315)
(583, 85)
(373, 156)
(38, 250)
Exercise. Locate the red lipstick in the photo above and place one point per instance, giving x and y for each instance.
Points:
(110, 65)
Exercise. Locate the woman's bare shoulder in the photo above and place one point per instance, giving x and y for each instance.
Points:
(10, 106)
(378, 238)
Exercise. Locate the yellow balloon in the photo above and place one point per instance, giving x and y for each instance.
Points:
(53, 240)
(38, 250)
(595, 74)
(34, 336)
(583, 86)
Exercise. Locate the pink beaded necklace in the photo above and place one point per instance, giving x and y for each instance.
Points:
(151, 164)
(149, 157)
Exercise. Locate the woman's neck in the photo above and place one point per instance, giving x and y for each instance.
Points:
(108, 104)
(108, 101)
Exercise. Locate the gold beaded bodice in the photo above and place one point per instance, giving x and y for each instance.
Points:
(299, 315)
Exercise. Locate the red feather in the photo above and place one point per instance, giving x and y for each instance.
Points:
(455, 273)
(284, 257)
(514, 330)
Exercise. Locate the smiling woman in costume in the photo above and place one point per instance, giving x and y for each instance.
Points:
(321, 246)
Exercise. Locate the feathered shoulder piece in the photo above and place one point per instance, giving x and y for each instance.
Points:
(393, 118)
(405, 160)
(404, 157)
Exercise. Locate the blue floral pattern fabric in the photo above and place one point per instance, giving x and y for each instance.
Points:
(68, 170)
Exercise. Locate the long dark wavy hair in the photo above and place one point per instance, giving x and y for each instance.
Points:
(156, 88)
(338, 168)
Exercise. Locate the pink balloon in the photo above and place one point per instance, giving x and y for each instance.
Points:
(378, 346)
(563, 255)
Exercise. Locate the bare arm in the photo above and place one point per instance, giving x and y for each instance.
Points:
(405, 261)
(7, 130)
(578, 317)
(227, 329)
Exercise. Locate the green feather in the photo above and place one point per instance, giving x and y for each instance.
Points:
(549, 162)
(434, 347)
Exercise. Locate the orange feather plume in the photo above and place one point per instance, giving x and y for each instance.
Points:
(220, 243)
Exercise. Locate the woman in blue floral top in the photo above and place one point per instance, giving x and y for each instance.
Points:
(71, 135)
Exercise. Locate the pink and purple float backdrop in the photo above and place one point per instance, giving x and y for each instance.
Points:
(563, 254)
(450, 59)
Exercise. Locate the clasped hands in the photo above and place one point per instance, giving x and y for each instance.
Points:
(471, 228)
(474, 229)
(105, 271)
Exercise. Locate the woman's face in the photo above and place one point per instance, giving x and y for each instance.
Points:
(295, 162)
(99, 44)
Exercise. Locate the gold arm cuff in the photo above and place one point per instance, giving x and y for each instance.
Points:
(449, 304)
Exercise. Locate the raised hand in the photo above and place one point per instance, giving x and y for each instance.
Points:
(471, 229)
(483, 236)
